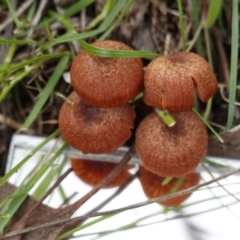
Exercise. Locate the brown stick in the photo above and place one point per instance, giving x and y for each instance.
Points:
(175, 194)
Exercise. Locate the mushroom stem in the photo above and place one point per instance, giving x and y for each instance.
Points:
(166, 117)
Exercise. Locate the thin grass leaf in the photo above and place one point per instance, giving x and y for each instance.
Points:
(16, 79)
(166, 180)
(71, 232)
(36, 59)
(21, 195)
(45, 184)
(13, 14)
(166, 117)
(117, 22)
(46, 92)
(181, 24)
(70, 11)
(234, 63)
(103, 27)
(196, 6)
(20, 164)
(17, 201)
(77, 7)
(18, 42)
(214, 8)
(209, 126)
(215, 164)
(136, 223)
(5, 66)
(105, 11)
(96, 51)
(31, 12)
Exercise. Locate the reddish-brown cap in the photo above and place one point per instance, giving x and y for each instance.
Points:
(92, 172)
(169, 81)
(107, 82)
(152, 186)
(171, 151)
(92, 129)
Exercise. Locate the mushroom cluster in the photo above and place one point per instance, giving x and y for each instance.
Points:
(169, 83)
(98, 116)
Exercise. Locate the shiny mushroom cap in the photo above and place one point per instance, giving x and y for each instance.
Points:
(171, 151)
(107, 82)
(152, 186)
(93, 172)
(169, 81)
(92, 129)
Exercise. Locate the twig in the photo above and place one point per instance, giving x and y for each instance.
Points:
(104, 203)
(180, 216)
(72, 208)
(23, 220)
(150, 201)
(127, 157)
(14, 124)
(20, 10)
(220, 185)
(37, 17)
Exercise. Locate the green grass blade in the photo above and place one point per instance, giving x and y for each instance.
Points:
(117, 22)
(36, 59)
(18, 42)
(13, 14)
(71, 36)
(234, 63)
(73, 9)
(17, 201)
(4, 67)
(46, 182)
(215, 6)
(181, 24)
(196, 6)
(77, 7)
(105, 11)
(116, 53)
(215, 164)
(16, 80)
(71, 232)
(209, 126)
(35, 150)
(46, 92)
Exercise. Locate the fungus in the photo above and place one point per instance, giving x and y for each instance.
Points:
(107, 82)
(92, 129)
(169, 81)
(171, 151)
(92, 172)
(152, 186)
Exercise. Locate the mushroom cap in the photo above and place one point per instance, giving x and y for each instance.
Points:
(93, 172)
(169, 81)
(107, 82)
(171, 151)
(152, 186)
(92, 129)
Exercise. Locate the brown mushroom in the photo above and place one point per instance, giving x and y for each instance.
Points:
(92, 172)
(92, 129)
(107, 82)
(152, 186)
(171, 151)
(169, 81)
